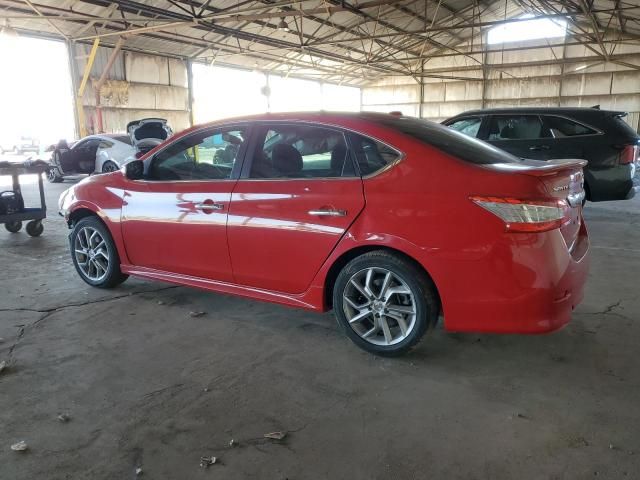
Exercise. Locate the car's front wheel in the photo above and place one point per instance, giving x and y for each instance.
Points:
(384, 303)
(94, 254)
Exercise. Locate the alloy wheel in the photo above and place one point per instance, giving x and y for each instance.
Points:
(379, 306)
(91, 253)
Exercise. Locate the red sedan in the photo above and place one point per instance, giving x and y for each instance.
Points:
(389, 221)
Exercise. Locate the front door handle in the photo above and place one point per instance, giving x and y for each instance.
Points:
(209, 206)
(328, 213)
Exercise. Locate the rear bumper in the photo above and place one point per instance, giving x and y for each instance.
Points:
(615, 183)
(532, 290)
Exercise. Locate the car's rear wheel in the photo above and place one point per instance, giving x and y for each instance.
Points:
(109, 166)
(94, 254)
(384, 303)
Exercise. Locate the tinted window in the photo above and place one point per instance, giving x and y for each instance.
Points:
(516, 127)
(449, 141)
(563, 127)
(371, 155)
(208, 155)
(468, 126)
(123, 138)
(301, 151)
(87, 145)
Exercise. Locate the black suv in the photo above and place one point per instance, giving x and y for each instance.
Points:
(599, 136)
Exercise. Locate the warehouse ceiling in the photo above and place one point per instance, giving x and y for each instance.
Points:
(351, 42)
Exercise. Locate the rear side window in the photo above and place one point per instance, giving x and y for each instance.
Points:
(371, 155)
(449, 141)
(563, 127)
(516, 127)
(301, 151)
(468, 126)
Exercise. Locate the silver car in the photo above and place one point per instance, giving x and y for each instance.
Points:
(105, 153)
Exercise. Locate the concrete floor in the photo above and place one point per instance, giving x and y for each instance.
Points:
(147, 385)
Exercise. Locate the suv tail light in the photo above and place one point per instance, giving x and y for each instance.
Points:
(629, 154)
(526, 215)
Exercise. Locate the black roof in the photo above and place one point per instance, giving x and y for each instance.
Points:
(541, 110)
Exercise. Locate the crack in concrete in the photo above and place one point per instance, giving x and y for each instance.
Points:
(47, 312)
(82, 304)
(608, 310)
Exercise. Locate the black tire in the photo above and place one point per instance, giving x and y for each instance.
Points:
(424, 300)
(114, 275)
(35, 228)
(109, 166)
(53, 175)
(13, 227)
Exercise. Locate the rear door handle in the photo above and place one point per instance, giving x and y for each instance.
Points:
(328, 213)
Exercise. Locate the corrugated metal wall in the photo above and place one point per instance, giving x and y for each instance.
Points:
(138, 86)
(584, 82)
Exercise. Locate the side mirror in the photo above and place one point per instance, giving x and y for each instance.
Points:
(134, 170)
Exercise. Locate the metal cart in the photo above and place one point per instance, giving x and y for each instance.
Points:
(13, 220)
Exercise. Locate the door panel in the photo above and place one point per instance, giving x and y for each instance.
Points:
(178, 227)
(175, 220)
(278, 238)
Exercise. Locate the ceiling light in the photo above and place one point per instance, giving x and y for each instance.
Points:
(283, 26)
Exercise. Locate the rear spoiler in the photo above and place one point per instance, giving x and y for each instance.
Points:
(612, 114)
(538, 168)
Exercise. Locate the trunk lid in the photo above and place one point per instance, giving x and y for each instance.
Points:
(154, 130)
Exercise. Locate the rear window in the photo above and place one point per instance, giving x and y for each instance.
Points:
(450, 141)
(123, 138)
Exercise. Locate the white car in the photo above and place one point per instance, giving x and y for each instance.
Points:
(105, 153)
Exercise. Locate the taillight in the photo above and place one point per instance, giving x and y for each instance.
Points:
(629, 154)
(526, 215)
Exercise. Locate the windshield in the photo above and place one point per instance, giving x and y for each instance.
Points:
(450, 141)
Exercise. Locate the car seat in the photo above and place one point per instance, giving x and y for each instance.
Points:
(286, 160)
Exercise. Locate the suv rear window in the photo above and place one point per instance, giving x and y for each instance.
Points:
(450, 141)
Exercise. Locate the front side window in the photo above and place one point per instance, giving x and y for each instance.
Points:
(468, 126)
(371, 155)
(207, 155)
(516, 127)
(563, 127)
(301, 151)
